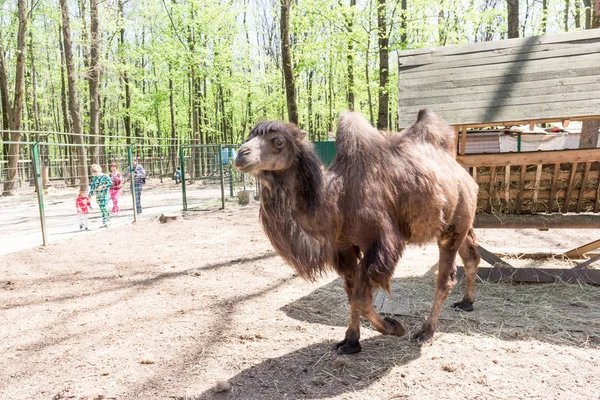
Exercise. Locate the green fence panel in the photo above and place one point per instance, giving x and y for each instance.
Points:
(326, 151)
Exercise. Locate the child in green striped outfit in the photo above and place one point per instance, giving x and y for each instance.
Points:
(99, 186)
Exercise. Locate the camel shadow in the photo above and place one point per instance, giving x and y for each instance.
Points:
(318, 371)
(557, 313)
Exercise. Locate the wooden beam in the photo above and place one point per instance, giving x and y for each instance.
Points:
(565, 123)
(569, 188)
(493, 46)
(521, 189)
(553, 188)
(583, 186)
(491, 188)
(580, 251)
(463, 141)
(587, 263)
(537, 275)
(537, 221)
(536, 189)
(529, 158)
(507, 186)
(492, 259)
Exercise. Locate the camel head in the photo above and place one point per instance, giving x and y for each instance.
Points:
(271, 146)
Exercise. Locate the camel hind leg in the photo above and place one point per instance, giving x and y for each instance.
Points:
(449, 244)
(470, 256)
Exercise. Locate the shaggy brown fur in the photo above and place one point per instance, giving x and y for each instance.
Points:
(382, 191)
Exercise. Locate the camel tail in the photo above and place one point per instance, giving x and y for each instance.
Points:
(431, 128)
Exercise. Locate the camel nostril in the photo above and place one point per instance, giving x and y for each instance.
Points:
(244, 151)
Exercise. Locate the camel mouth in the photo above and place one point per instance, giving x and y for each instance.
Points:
(244, 169)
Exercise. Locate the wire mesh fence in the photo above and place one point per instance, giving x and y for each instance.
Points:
(54, 178)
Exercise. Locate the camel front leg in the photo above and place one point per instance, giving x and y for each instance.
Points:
(347, 262)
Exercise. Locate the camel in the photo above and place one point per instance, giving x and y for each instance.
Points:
(382, 191)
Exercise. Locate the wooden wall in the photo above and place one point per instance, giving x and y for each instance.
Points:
(543, 78)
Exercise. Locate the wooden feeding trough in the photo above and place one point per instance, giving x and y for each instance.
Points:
(513, 82)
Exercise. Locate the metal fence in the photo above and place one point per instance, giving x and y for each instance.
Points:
(48, 177)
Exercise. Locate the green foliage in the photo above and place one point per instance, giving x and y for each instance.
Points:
(222, 58)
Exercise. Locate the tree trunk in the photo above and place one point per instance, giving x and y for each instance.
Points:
(173, 131)
(286, 58)
(382, 115)
(82, 170)
(544, 16)
(16, 111)
(588, 13)
(566, 14)
(93, 81)
(512, 7)
(5, 102)
(577, 14)
(63, 87)
(367, 77)
(350, 55)
(127, 116)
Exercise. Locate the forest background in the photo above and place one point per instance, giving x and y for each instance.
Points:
(204, 71)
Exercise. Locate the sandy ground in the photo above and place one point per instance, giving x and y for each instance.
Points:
(154, 311)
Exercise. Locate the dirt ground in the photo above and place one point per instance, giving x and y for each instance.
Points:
(169, 311)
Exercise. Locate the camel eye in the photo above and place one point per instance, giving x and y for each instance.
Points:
(278, 141)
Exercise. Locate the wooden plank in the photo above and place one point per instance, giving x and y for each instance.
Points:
(412, 98)
(536, 187)
(524, 72)
(544, 195)
(569, 188)
(548, 52)
(574, 84)
(568, 37)
(583, 186)
(587, 263)
(582, 250)
(491, 189)
(520, 101)
(597, 203)
(463, 140)
(529, 157)
(492, 259)
(474, 174)
(502, 115)
(519, 64)
(536, 275)
(537, 221)
(507, 187)
(553, 188)
(521, 189)
(545, 176)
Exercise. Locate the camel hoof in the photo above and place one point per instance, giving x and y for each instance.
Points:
(463, 305)
(397, 328)
(422, 337)
(348, 348)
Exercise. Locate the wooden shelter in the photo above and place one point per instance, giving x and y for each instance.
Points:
(509, 82)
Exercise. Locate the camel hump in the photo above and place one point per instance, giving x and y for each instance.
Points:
(356, 135)
(431, 128)
(423, 113)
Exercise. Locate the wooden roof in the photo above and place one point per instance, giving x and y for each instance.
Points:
(539, 78)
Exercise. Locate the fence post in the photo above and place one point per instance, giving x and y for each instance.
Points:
(182, 166)
(131, 180)
(35, 155)
(222, 177)
(230, 168)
